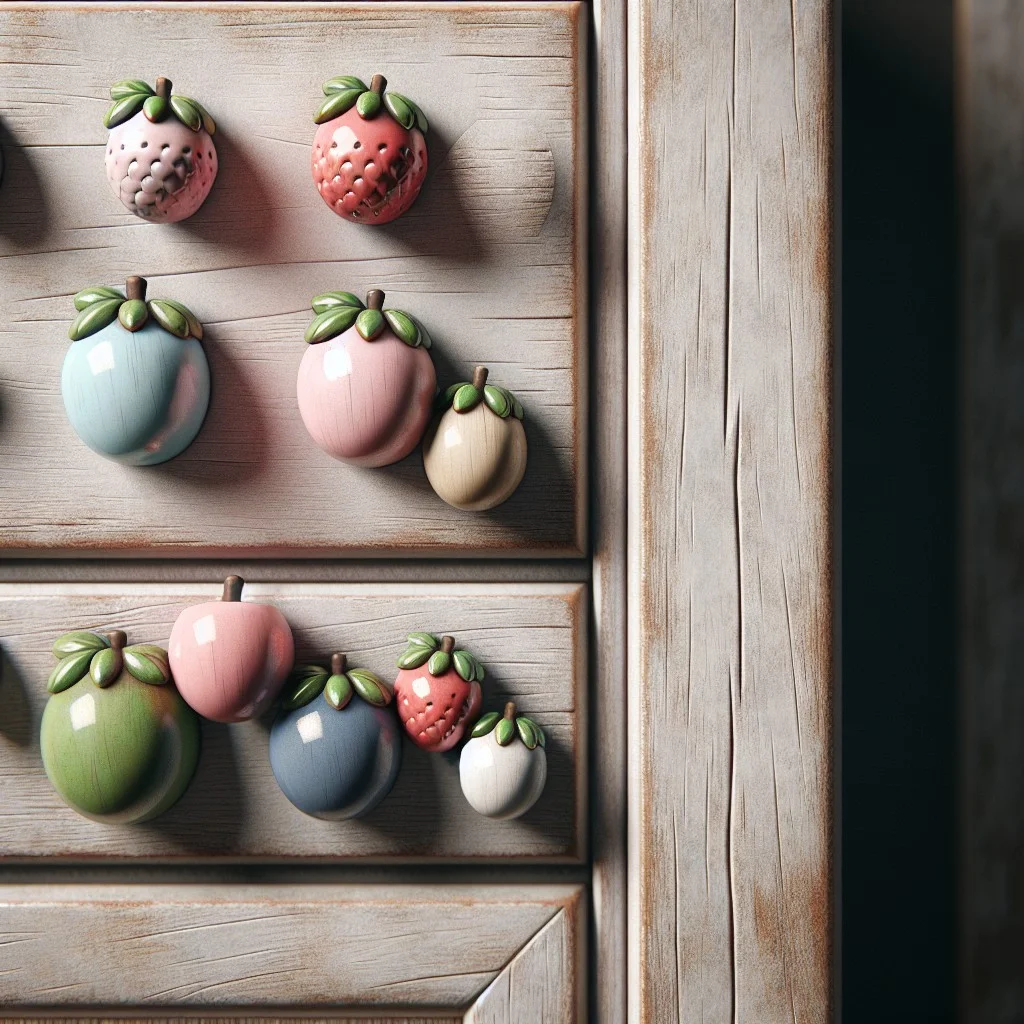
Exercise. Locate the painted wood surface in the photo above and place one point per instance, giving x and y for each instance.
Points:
(491, 258)
(731, 568)
(531, 639)
(990, 37)
(307, 946)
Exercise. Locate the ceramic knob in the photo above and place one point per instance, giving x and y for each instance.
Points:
(335, 748)
(437, 691)
(136, 383)
(230, 657)
(475, 452)
(503, 767)
(118, 742)
(366, 382)
(160, 160)
(369, 153)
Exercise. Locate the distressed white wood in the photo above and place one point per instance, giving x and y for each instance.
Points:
(491, 258)
(730, 547)
(317, 946)
(530, 637)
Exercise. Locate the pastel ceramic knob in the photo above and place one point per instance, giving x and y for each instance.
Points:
(366, 383)
(369, 153)
(503, 767)
(136, 383)
(161, 161)
(335, 748)
(475, 452)
(118, 742)
(437, 691)
(230, 658)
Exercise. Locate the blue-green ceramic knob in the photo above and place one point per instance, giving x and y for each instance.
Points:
(335, 748)
(136, 382)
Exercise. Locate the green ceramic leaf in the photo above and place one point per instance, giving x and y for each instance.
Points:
(399, 109)
(425, 640)
(148, 663)
(370, 323)
(208, 122)
(156, 108)
(106, 666)
(464, 665)
(195, 328)
(133, 314)
(87, 296)
(414, 656)
(425, 340)
(342, 83)
(331, 300)
(480, 673)
(307, 687)
(485, 725)
(169, 318)
(466, 398)
(371, 688)
(445, 399)
(330, 323)
(124, 109)
(517, 408)
(368, 104)
(504, 731)
(497, 401)
(536, 728)
(95, 318)
(526, 731)
(130, 86)
(336, 105)
(69, 671)
(403, 325)
(420, 120)
(440, 662)
(186, 112)
(338, 691)
(79, 640)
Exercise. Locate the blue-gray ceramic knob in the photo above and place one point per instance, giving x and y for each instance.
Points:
(335, 748)
(136, 382)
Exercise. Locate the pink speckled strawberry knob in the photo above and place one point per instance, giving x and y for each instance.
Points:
(370, 151)
(161, 162)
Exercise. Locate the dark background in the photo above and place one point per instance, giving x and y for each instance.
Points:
(899, 356)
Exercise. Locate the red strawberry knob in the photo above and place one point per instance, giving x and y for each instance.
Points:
(474, 454)
(437, 691)
(366, 383)
(161, 161)
(503, 767)
(370, 151)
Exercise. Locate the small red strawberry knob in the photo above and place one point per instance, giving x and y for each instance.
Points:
(369, 153)
(437, 691)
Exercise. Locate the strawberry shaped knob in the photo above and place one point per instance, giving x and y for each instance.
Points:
(475, 452)
(118, 742)
(229, 657)
(160, 160)
(503, 767)
(369, 153)
(335, 748)
(136, 383)
(366, 383)
(437, 691)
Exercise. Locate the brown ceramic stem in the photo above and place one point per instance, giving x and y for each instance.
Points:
(510, 710)
(480, 377)
(135, 287)
(338, 664)
(163, 87)
(375, 299)
(233, 588)
(447, 644)
(118, 638)
(378, 84)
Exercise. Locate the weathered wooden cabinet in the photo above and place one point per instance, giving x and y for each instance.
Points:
(628, 211)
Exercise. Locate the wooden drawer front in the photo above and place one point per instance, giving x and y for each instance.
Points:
(476, 953)
(491, 257)
(530, 637)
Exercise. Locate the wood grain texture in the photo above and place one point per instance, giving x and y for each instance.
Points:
(730, 380)
(305, 946)
(531, 638)
(491, 258)
(991, 910)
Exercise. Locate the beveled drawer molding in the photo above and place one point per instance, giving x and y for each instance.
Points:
(532, 638)
(480, 953)
(492, 256)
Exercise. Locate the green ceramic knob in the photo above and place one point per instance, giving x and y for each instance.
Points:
(118, 742)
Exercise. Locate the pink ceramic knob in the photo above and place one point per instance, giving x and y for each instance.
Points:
(230, 658)
(366, 383)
